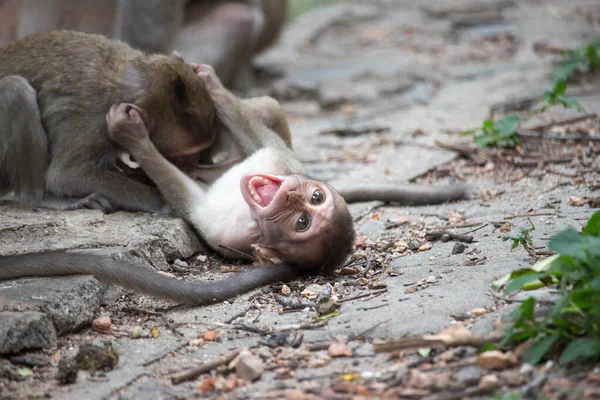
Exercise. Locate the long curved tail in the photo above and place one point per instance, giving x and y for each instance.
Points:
(131, 276)
(411, 195)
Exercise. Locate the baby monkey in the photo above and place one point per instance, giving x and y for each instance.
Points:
(265, 204)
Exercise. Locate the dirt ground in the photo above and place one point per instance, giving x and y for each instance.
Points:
(374, 91)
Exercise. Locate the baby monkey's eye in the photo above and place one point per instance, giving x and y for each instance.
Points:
(303, 222)
(317, 197)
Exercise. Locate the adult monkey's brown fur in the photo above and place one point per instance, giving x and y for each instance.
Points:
(76, 78)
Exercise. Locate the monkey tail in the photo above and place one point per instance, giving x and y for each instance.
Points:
(131, 276)
(410, 195)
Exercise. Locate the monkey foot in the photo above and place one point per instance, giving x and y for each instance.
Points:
(94, 202)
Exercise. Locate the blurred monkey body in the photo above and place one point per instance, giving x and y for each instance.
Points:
(222, 33)
(74, 78)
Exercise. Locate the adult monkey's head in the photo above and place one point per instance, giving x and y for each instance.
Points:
(301, 221)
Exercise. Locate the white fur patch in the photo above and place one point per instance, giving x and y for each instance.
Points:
(127, 160)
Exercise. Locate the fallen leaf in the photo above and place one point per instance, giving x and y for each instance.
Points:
(319, 361)
(425, 247)
(576, 201)
(349, 110)
(102, 324)
(210, 336)
(362, 281)
(378, 285)
(297, 394)
(207, 385)
(339, 349)
(284, 373)
(154, 332)
(418, 379)
(402, 220)
(348, 271)
(488, 381)
(447, 355)
(451, 334)
(25, 371)
(505, 227)
(375, 32)
(496, 359)
(285, 290)
(477, 312)
(232, 382)
(135, 332)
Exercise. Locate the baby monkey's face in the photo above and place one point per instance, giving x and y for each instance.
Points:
(291, 212)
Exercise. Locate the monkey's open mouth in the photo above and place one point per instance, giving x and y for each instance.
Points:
(263, 189)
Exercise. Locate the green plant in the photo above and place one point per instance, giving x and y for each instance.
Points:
(584, 58)
(556, 97)
(572, 327)
(501, 133)
(523, 239)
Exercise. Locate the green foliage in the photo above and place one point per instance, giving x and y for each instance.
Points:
(556, 97)
(501, 133)
(585, 58)
(572, 327)
(523, 239)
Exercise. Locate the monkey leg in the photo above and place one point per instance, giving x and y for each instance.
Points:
(23, 141)
(221, 34)
(103, 190)
(272, 115)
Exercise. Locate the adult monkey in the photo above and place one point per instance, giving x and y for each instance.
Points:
(55, 90)
(303, 225)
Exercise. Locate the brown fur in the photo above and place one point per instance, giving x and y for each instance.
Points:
(78, 77)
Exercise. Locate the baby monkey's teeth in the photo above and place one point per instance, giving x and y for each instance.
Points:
(253, 193)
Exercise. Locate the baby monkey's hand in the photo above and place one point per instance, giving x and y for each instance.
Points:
(128, 125)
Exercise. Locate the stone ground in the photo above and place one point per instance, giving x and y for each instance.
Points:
(370, 88)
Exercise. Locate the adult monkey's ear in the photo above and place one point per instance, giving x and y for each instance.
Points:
(266, 255)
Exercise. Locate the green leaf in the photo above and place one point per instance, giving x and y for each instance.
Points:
(518, 283)
(580, 349)
(24, 371)
(568, 243)
(549, 97)
(508, 125)
(487, 124)
(485, 141)
(569, 102)
(592, 228)
(469, 131)
(526, 309)
(327, 317)
(488, 347)
(545, 264)
(560, 86)
(535, 353)
(424, 352)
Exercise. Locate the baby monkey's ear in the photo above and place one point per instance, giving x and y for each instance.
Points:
(266, 255)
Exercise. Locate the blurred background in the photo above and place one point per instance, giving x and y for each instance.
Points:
(222, 33)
